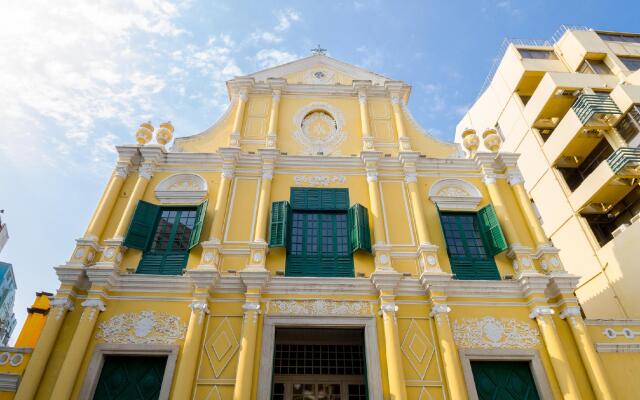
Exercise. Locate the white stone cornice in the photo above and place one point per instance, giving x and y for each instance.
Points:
(255, 278)
(278, 84)
(386, 279)
(204, 277)
(71, 275)
(561, 283)
(152, 153)
(532, 283)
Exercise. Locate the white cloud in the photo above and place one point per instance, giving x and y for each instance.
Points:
(285, 18)
(267, 58)
(263, 36)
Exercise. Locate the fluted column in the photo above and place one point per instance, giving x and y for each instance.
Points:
(272, 133)
(397, 387)
(33, 373)
(107, 201)
(554, 346)
(185, 375)
(234, 140)
(448, 349)
(517, 185)
(77, 348)
(398, 116)
(367, 138)
(427, 251)
(590, 359)
(144, 175)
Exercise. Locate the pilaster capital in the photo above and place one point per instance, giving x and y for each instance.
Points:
(199, 306)
(121, 171)
(572, 311)
(146, 170)
(514, 177)
(239, 85)
(230, 156)
(541, 311)
(60, 305)
(438, 309)
(532, 283)
(388, 307)
(95, 303)
(398, 91)
(251, 306)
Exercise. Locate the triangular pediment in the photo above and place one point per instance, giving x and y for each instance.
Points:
(319, 69)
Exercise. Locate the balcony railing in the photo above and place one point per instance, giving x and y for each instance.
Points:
(624, 157)
(587, 105)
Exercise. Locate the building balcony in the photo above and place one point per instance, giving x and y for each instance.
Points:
(609, 182)
(581, 129)
(556, 93)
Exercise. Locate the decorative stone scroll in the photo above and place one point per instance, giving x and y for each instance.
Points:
(320, 308)
(145, 327)
(318, 180)
(494, 333)
(455, 194)
(182, 189)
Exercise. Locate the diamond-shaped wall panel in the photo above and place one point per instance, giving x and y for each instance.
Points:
(417, 349)
(221, 346)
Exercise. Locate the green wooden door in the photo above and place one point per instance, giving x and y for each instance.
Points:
(130, 378)
(504, 380)
(468, 247)
(319, 245)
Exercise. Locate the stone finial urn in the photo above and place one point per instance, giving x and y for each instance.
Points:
(470, 140)
(144, 133)
(164, 134)
(492, 141)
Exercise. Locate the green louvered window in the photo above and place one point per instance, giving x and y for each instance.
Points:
(473, 239)
(165, 235)
(319, 231)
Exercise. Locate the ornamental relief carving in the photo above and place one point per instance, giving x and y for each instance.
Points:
(182, 189)
(494, 333)
(145, 327)
(318, 180)
(319, 128)
(320, 308)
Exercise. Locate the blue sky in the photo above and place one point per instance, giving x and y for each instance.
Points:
(77, 77)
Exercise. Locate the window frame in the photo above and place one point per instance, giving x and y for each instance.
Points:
(486, 244)
(145, 350)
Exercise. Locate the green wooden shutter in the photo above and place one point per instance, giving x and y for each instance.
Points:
(316, 199)
(490, 226)
(359, 235)
(163, 263)
(142, 226)
(279, 223)
(197, 228)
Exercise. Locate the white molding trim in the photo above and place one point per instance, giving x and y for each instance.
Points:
(455, 194)
(97, 361)
(532, 356)
(187, 188)
(374, 378)
(618, 347)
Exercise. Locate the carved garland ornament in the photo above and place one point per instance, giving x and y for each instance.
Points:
(319, 128)
(145, 327)
(494, 333)
(320, 308)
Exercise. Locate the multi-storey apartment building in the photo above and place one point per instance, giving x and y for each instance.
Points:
(571, 108)
(316, 243)
(7, 299)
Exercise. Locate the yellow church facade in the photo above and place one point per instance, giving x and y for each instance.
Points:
(317, 243)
